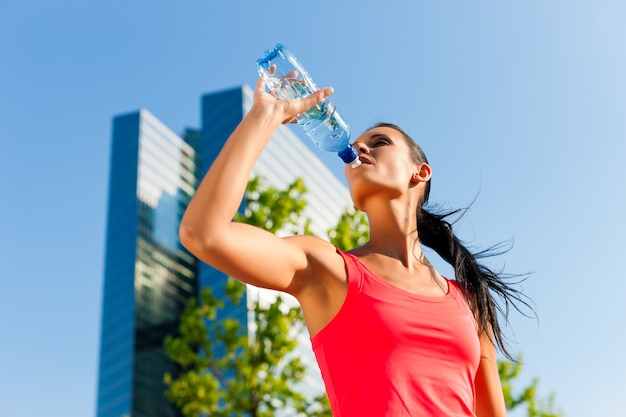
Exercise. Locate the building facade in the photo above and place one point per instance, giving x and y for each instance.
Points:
(149, 277)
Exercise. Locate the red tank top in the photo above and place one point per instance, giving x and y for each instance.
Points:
(391, 353)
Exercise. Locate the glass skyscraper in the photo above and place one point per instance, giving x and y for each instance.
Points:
(149, 277)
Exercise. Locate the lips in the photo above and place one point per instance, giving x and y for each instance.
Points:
(365, 159)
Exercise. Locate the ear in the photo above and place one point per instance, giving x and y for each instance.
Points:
(422, 174)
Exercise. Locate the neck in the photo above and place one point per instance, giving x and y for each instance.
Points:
(393, 231)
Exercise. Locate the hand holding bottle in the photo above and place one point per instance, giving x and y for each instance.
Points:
(288, 108)
(287, 79)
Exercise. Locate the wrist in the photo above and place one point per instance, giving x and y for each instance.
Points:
(265, 116)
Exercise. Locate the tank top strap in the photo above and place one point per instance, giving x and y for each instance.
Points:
(353, 270)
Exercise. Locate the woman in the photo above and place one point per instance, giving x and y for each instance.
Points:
(391, 335)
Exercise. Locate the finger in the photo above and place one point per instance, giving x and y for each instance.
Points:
(327, 91)
(311, 100)
(318, 96)
(260, 85)
(301, 105)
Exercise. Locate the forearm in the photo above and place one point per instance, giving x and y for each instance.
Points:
(207, 229)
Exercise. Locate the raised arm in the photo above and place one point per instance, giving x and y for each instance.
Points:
(247, 253)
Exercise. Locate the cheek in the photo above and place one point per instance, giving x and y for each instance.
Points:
(396, 173)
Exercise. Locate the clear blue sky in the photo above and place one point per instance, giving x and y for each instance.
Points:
(522, 104)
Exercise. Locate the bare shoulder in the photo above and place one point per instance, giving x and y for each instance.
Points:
(322, 288)
(325, 264)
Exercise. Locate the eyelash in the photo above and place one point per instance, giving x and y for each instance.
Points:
(378, 142)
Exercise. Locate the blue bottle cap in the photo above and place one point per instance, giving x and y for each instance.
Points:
(349, 156)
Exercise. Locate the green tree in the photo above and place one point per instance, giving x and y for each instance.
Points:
(224, 370)
(527, 399)
(352, 230)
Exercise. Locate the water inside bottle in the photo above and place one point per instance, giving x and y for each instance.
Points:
(321, 122)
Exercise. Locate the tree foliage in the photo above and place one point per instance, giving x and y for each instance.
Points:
(352, 230)
(527, 399)
(273, 209)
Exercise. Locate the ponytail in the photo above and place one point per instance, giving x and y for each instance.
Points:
(476, 281)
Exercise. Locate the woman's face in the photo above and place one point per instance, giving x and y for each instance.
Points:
(386, 166)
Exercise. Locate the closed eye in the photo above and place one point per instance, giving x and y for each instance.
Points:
(375, 141)
(378, 139)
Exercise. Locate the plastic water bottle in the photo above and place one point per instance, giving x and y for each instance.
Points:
(286, 78)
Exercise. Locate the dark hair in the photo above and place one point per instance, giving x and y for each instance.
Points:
(477, 282)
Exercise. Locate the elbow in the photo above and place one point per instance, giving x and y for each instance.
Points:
(187, 236)
(193, 240)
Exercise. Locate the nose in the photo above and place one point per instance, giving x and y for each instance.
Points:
(361, 147)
